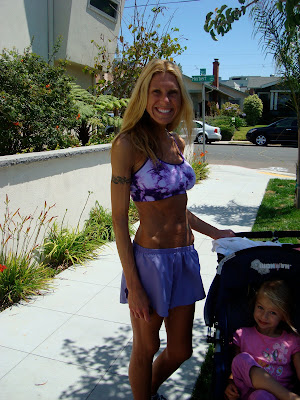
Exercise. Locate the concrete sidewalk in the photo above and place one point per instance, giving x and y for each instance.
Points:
(75, 342)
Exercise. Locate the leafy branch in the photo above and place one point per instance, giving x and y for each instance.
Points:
(220, 21)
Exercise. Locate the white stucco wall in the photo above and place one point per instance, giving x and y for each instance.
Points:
(60, 177)
(20, 20)
(75, 21)
(79, 25)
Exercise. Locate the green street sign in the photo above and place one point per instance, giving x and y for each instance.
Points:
(202, 71)
(203, 78)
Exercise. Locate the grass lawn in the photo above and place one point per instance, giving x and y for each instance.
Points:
(241, 133)
(276, 212)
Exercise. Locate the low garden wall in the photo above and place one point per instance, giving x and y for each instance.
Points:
(61, 177)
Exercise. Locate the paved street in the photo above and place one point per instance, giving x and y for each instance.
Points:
(274, 158)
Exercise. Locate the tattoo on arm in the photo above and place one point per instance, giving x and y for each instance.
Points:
(120, 179)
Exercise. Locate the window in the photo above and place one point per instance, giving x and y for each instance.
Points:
(197, 124)
(285, 123)
(108, 8)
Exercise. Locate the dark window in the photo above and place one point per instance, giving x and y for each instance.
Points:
(106, 6)
(284, 123)
(295, 123)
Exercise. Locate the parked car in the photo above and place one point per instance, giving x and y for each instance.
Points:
(284, 131)
(212, 133)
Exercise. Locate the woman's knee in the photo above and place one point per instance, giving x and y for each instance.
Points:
(146, 348)
(180, 355)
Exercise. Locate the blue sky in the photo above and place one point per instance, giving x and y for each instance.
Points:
(239, 53)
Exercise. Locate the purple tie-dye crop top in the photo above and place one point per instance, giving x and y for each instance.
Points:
(161, 180)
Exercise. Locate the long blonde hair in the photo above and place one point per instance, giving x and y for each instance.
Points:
(137, 122)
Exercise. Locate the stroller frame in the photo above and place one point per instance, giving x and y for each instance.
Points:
(236, 275)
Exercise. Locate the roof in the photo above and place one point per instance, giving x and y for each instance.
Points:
(252, 82)
(233, 91)
(198, 87)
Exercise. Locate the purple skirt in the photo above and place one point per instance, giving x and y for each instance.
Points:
(170, 277)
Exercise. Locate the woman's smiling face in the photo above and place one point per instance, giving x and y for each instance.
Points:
(164, 98)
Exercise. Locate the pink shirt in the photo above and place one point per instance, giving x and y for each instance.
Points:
(274, 354)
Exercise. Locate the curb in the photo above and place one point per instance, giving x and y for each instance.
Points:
(235, 142)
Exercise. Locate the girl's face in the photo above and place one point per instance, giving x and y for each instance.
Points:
(267, 316)
(164, 98)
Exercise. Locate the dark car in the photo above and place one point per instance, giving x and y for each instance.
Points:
(284, 131)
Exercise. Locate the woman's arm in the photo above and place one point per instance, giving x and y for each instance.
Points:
(196, 223)
(203, 227)
(122, 159)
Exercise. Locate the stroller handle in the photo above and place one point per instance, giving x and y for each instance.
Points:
(268, 234)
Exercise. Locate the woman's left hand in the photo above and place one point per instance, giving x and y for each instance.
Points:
(225, 233)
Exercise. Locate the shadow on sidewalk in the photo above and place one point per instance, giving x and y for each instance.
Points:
(112, 382)
(231, 214)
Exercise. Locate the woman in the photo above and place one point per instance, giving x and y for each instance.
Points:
(161, 273)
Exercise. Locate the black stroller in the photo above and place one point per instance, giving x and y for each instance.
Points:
(226, 306)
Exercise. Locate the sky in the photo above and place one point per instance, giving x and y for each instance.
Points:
(238, 52)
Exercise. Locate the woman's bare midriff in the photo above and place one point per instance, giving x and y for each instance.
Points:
(164, 223)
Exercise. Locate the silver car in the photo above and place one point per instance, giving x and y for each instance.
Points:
(212, 133)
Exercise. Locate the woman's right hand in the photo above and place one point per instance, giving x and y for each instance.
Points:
(139, 304)
(231, 391)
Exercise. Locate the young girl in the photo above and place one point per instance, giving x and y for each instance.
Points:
(268, 352)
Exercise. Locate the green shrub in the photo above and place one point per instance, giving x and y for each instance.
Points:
(230, 109)
(253, 108)
(225, 123)
(219, 120)
(200, 168)
(239, 122)
(64, 247)
(133, 214)
(20, 278)
(99, 225)
(22, 273)
(227, 132)
(203, 387)
(36, 109)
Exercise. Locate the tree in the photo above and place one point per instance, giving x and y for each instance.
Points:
(220, 21)
(284, 45)
(36, 110)
(149, 41)
(277, 21)
(95, 114)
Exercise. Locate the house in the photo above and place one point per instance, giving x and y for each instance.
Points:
(215, 92)
(274, 95)
(77, 22)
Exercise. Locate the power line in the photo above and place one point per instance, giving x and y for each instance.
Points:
(158, 4)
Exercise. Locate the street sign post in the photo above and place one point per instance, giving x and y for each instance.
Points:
(203, 78)
(203, 121)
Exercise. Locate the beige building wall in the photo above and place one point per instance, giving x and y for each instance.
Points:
(76, 21)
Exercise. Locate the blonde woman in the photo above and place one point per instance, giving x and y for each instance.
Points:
(161, 272)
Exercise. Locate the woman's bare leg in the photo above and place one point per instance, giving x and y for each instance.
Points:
(145, 345)
(179, 326)
(262, 380)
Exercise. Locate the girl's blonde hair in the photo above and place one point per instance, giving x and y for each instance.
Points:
(279, 293)
(137, 122)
